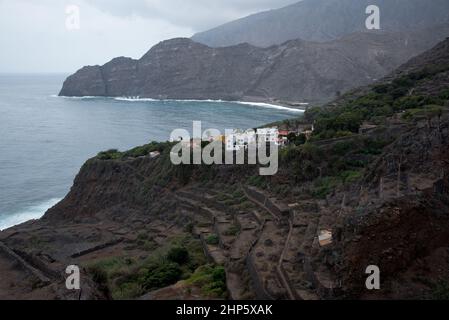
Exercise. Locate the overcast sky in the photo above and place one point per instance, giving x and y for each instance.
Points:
(34, 36)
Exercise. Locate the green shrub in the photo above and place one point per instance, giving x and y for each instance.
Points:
(381, 89)
(222, 197)
(342, 148)
(161, 275)
(237, 194)
(356, 163)
(342, 134)
(428, 111)
(149, 245)
(289, 153)
(373, 146)
(178, 255)
(384, 100)
(348, 121)
(143, 236)
(126, 278)
(311, 152)
(324, 186)
(144, 150)
(127, 290)
(350, 176)
(297, 139)
(99, 275)
(232, 231)
(211, 279)
(246, 205)
(109, 155)
(213, 239)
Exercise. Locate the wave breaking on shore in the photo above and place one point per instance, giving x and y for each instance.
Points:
(138, 99)
(30, 213)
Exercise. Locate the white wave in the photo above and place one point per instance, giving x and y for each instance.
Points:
(138, 99)
(77, 98)
(198, 100)
(256, 104)
(134, 99)
(271, 106)
(30, 213)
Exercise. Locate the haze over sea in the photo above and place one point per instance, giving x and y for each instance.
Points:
(45, 139)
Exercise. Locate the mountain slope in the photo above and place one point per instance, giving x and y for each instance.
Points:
(324, 20)
(383, 195)
(294, 71)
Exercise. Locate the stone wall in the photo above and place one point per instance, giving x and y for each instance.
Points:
(277, 210)
(323, 292)
(25, 263)
(206, 248)
(258, 284)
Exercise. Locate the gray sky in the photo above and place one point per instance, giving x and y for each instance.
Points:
(34, 36)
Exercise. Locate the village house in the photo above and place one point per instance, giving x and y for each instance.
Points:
(284, 134)
(283, 137)
(304, 127)
(268, 135)
(239, 140)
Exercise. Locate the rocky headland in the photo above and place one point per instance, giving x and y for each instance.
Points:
(295, 71)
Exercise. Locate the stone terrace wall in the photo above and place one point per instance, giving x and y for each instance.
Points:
(278, 210)
(259, 287)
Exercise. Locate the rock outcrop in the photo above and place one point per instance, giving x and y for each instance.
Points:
(294, 71)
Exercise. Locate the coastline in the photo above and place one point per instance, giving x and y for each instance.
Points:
(37, 210)
(299, 107)
(29, 213)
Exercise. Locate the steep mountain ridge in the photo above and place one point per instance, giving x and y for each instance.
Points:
(324, 20)
(294, 71)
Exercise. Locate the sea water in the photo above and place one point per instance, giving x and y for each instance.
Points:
(45, 139)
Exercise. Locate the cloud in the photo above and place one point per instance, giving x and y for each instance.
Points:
(196, 14)
(34, 37)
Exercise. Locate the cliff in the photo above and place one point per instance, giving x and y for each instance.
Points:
(294, 71)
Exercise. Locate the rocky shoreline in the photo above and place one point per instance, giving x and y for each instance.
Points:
(294, 71)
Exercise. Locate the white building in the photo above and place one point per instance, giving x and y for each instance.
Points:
(239, 139)
(268, 135)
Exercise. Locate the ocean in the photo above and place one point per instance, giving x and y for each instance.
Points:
(45, 139)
